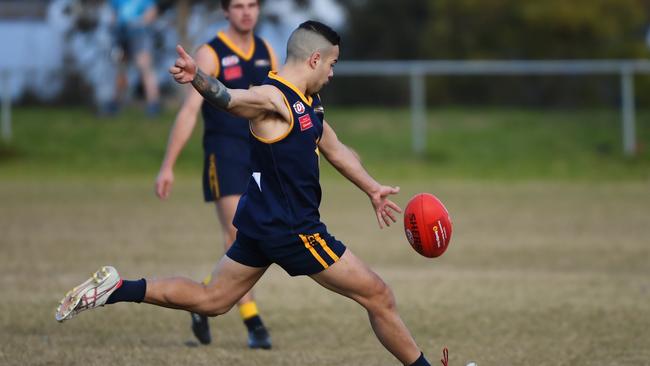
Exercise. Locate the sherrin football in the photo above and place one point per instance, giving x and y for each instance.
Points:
(427, 225)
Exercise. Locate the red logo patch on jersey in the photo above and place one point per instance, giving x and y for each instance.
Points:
(305, 122)
(299, 107)
(232, 73)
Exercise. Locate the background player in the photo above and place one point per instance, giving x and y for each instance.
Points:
(134, 33)
(239, 59)
(277, 218)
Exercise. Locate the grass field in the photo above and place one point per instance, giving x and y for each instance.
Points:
(547, 267)
(469, 143)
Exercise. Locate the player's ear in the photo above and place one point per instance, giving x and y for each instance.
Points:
(314, 59)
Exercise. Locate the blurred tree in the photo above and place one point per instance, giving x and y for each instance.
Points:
(501, 29)
(382, 29)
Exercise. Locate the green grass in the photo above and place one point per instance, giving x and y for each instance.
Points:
(475, 143)
(548, 264)
(537, 274)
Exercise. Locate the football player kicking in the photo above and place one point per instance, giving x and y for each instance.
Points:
(277, 218)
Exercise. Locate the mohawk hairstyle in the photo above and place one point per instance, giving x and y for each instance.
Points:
(309, 37)
(322, 29)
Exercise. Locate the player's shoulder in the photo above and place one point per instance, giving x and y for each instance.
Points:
(267, 89)
(207, 59)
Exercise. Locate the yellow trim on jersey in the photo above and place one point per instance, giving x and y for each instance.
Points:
(212, 176)
(216, 59)
(274, 59)
(313, 251)
(233, 47)
(270, 141)
(327, 249)
(274, 75)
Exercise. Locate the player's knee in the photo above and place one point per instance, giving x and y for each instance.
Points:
(218, 307)
(381, 298)
(143, 61)
(217, 303)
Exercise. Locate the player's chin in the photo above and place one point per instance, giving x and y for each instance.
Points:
(246, 25)
(323, 84)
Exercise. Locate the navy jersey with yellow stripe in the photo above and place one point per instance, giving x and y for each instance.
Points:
(236, 70)
(284, 192)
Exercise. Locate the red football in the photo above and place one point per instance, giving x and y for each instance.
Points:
(427, 225)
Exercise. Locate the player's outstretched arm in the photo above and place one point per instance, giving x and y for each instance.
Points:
(247, 103)
(349, 165)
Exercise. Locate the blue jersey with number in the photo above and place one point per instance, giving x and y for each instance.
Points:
(235, 70)
(284, 191)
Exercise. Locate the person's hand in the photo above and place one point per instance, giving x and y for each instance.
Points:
(184, 69)
(385, 209)
(164, 183)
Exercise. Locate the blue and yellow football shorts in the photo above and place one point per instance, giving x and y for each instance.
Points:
(223, 173)
(298, 255)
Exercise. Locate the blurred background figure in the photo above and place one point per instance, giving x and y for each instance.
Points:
(91, 47)
(134, 36)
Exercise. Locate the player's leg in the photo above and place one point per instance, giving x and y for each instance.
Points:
(226, 207)
(258, 335)
(230, 281)
(225, 178)
(142, 40)
(350, 277)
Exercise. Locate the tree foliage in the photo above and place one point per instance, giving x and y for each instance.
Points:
(501, 29)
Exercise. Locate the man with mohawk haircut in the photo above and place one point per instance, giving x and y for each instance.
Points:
(277, 218)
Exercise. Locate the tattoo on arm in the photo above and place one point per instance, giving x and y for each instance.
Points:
(212, 90)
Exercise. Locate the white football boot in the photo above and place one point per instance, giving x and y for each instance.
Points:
(90, 294)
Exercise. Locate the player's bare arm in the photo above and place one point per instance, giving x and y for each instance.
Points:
(349, 165)
(252, 104)
(183, 126)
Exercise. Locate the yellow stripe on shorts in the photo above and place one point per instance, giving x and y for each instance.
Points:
(313, 251)
(326, 247)
(212, 174)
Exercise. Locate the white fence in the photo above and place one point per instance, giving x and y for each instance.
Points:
(418, 70)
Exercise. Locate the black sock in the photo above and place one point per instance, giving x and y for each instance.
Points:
(253, 322)
(129, 291)
(421, 361)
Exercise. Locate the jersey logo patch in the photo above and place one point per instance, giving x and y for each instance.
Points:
(305, 122)
(299, 107)
(232, 73)
(230, 60)
(262, 63)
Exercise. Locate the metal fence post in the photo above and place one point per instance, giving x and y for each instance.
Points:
(418, 112)
(627, 110)
(5, 130)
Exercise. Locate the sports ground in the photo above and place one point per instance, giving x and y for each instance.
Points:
(549, 262)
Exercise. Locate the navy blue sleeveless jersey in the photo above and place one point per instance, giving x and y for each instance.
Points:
(284, 191)
(235, 70)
